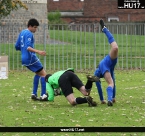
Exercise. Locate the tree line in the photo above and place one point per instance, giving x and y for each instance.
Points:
(6, 6)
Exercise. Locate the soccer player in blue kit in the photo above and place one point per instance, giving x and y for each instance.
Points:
(106, 67)
(25, 44)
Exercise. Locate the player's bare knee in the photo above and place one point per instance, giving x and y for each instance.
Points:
(115, 48)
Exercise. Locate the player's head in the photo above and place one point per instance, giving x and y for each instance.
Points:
(32, 25)
(46, 77)
(33, 22)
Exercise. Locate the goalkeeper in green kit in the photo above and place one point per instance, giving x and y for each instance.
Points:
(65, 80)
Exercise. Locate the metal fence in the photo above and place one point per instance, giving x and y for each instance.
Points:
(80, 46)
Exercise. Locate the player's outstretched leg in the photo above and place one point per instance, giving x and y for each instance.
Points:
(114, 47)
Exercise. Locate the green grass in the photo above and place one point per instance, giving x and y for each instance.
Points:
(17, 109)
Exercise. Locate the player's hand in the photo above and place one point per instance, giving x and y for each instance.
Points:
(89, 93)
(42, 53)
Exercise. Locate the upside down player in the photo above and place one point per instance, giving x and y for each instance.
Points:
(106, 69)
(25, 44)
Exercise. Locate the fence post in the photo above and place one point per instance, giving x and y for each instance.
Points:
(94, 46)
(45, 45)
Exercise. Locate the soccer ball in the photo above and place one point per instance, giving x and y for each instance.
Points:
(57, 91)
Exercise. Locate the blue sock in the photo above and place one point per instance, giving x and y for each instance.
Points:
(109, 93)
(43, 86)
(109, 35)
(98, 84)
(35, 84)
(114, 91)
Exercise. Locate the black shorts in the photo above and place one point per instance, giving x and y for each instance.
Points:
(68, 80)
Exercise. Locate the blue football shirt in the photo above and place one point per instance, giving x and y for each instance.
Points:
(25, 40)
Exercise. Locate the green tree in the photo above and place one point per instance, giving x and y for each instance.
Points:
(55, 18)
(6, 6)
(55, 21)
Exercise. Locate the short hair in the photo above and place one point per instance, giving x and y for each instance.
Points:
(46, 77)
(33, 22)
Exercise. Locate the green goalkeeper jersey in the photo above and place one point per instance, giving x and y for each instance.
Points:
(53, 83)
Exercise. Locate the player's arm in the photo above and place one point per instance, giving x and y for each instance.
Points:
(29, 41)
(98, 84)
(43, 53)
(50, 92)
(18, 44)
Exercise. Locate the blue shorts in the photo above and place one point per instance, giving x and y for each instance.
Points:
(36, 67)
(106, 64)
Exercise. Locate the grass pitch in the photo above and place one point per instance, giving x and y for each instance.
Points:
(18, 110)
